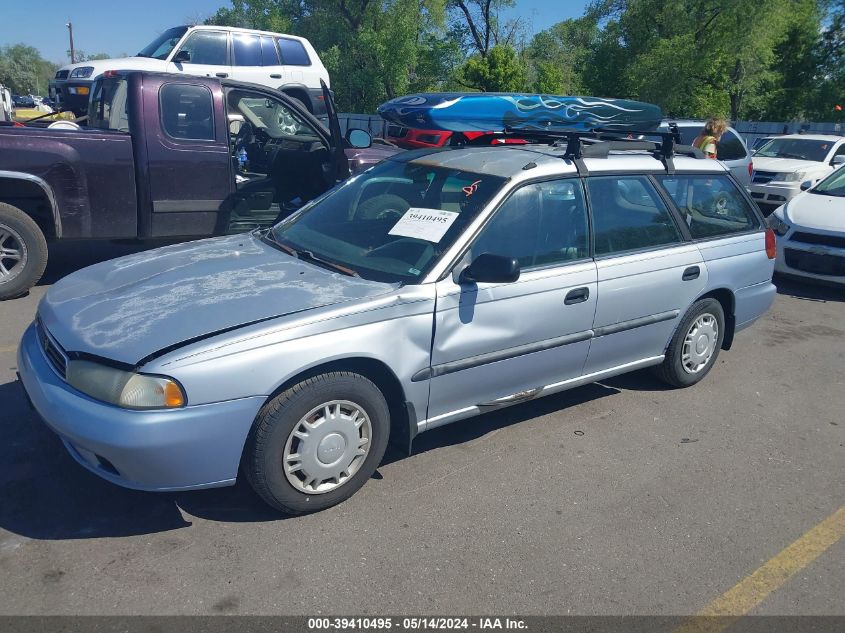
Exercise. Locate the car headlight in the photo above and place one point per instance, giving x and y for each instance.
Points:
(777, 225)
(82, 72)
(125, 389)
(789, 176)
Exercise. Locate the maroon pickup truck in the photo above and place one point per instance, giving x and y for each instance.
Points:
(164, 156)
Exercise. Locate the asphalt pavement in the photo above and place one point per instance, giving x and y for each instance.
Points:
(622, 497)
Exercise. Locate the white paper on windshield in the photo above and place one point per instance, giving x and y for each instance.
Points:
(424, 224)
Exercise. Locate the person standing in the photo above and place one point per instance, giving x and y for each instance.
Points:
(708, 140)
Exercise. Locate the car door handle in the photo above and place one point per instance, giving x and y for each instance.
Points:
(222, 75)
(691, 273)
(579, 295)
(275, 76)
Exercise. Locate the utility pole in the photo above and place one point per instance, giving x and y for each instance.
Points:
(69, 26)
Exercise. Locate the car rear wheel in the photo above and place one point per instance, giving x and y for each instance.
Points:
(695, 345)
(317, 443)
(23, 252)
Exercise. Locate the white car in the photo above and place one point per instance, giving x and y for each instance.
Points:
(810, 232)
(284, 62)
(6, 106)
(782, 164)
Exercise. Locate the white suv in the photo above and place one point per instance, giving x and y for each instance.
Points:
(785, 163)
(285, 62)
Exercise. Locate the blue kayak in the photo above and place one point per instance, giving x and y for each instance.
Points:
(494, 112)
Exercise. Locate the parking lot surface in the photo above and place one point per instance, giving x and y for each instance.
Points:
(617, 498)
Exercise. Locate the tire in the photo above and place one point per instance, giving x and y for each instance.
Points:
(23, 252)
(276, 439)
(386, 205)
(704, 315)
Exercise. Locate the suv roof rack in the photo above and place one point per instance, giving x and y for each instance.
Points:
(601, 141)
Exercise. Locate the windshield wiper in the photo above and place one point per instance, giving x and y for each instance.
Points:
(268, 236)
(328, 263)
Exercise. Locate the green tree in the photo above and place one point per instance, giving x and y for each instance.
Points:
(500, 70)
(23, 70)
(82, 56)
(558, 56)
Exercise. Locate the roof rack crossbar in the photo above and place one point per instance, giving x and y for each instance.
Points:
(600, 142)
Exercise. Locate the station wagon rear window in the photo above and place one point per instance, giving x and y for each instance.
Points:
(710, 204)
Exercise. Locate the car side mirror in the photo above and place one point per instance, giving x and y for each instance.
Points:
(359, 139)
(182, 57)
(807, 184)
(489, 268)
(838, 161)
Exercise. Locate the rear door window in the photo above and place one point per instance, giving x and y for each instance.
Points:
(710, 204)
(187, 112)
(628, 215)
(247, 50)
(293, 52)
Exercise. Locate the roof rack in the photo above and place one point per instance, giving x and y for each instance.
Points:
(601, 141)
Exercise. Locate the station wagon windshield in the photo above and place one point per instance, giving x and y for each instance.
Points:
(161, 46)
(799, 148)
(391, 223)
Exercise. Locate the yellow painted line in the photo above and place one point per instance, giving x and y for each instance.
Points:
(753, 589)
(9, 349)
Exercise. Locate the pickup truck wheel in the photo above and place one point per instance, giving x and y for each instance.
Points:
(317, 443)
(695, 345)
(23, 252)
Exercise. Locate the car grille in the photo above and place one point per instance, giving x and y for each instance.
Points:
(763, 177)
(396, 131)
(62, 74)
(52, 350)
(815, 238)
(816, 263)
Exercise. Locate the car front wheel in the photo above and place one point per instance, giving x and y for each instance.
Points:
(695, 344)
(317, 443)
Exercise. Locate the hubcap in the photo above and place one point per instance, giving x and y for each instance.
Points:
(700, 343)
(327, 447)
(12, 254)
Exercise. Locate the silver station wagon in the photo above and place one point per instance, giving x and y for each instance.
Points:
(438, 285)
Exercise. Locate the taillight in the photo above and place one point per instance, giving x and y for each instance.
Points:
(771, 244)
(750, 168)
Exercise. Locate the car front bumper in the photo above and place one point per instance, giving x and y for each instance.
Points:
(820, 263)
(180, 449)
(772, 195)
(72, 94)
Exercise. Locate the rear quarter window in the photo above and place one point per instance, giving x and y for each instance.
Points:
(711, 205)
(730, 147)
(293, 52)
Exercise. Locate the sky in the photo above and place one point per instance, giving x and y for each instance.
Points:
(126, 27)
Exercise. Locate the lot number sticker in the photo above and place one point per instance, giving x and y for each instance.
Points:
(424, 224)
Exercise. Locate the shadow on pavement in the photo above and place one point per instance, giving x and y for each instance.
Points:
(69, 256)
(45, 495)
(808, 290)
